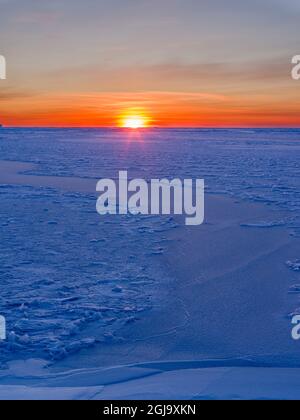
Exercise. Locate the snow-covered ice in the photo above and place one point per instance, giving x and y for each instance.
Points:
(82, 292)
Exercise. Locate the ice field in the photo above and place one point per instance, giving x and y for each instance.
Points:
(141, 306)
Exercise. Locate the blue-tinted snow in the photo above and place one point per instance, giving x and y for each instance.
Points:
(70, 279)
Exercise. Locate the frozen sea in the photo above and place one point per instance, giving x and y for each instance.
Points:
(143, 306)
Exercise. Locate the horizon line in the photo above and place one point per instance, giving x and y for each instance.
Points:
(154, 128)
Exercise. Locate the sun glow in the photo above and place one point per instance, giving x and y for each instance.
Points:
(134, 122)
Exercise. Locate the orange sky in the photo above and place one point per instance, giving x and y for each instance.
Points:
(178, 63)
(162, 109)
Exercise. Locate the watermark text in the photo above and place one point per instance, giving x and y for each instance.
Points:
(296, 328)
(159, 196)
(2, 328)
(2, 67)
(296, 68)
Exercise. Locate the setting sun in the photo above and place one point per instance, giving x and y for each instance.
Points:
(134, 122)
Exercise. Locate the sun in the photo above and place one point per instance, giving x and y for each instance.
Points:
(134, 122)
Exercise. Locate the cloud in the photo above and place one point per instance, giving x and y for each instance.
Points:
(215, 77)
(10, 94)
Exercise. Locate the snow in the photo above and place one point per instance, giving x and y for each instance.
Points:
(84, 293)
(294, 265)
(176, 381)
(22, 393)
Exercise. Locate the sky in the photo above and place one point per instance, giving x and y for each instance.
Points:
(178, 63)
